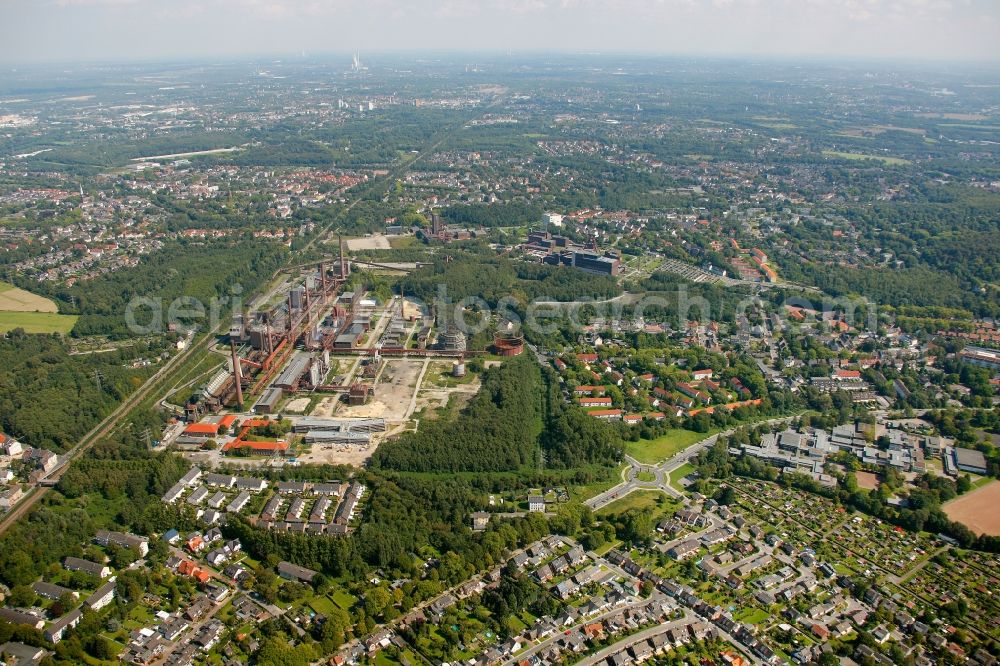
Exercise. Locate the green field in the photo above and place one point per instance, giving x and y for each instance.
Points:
(892, 161)
(322, 605)
(343, 599)
(404, 242)
(651, 451)
(651, 501)
(37, 322)
(678, 474)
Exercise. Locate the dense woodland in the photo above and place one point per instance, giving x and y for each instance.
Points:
(500, 215)
(49, 399)
(517, 419)
(497, 431)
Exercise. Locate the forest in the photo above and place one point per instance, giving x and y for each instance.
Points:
(49, 399)
(497, 431)
(517, 416)
(511, 214)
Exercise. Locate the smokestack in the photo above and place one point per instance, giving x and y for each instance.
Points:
(343, 262)
(237, 374)
(322, 276)
(289, 312)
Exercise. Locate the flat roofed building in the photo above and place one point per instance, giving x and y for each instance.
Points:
(970, 460)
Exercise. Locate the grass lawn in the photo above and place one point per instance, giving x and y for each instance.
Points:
(37, 322)
(580, 493)
(322, 605)
(678, 474)
(515, 624)
(343, 599)
(645, 476)
(752, 615)
(404, 242)
(652, 501)
(980, 481)
(606, 546)
(892, 161)
(663, 447)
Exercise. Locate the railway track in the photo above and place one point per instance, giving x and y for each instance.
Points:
(102, 430)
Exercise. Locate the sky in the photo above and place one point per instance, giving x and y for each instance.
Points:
(126, 30)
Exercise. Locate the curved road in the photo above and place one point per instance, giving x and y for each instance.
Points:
(662, 470)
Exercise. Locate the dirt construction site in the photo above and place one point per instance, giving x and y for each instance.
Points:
(406, 391)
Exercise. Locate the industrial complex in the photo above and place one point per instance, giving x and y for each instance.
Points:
(319, 371)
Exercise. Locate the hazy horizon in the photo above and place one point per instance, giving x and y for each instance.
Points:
(54, 31)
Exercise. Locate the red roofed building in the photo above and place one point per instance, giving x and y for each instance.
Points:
(227, 422)
(610, 414)
(261, 448)
(205, 430)
(587, 358)
(847, 374)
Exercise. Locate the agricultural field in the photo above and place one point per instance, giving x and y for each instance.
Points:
(36, 322)
(977, 509)
(33, 313)
(13, 299)
(890, 161)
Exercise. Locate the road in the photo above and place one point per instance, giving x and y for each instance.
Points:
(548, 642)
(661, 471)
(644, 635)
(103, 429)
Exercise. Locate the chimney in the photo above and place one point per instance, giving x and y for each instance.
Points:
(237, 374)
